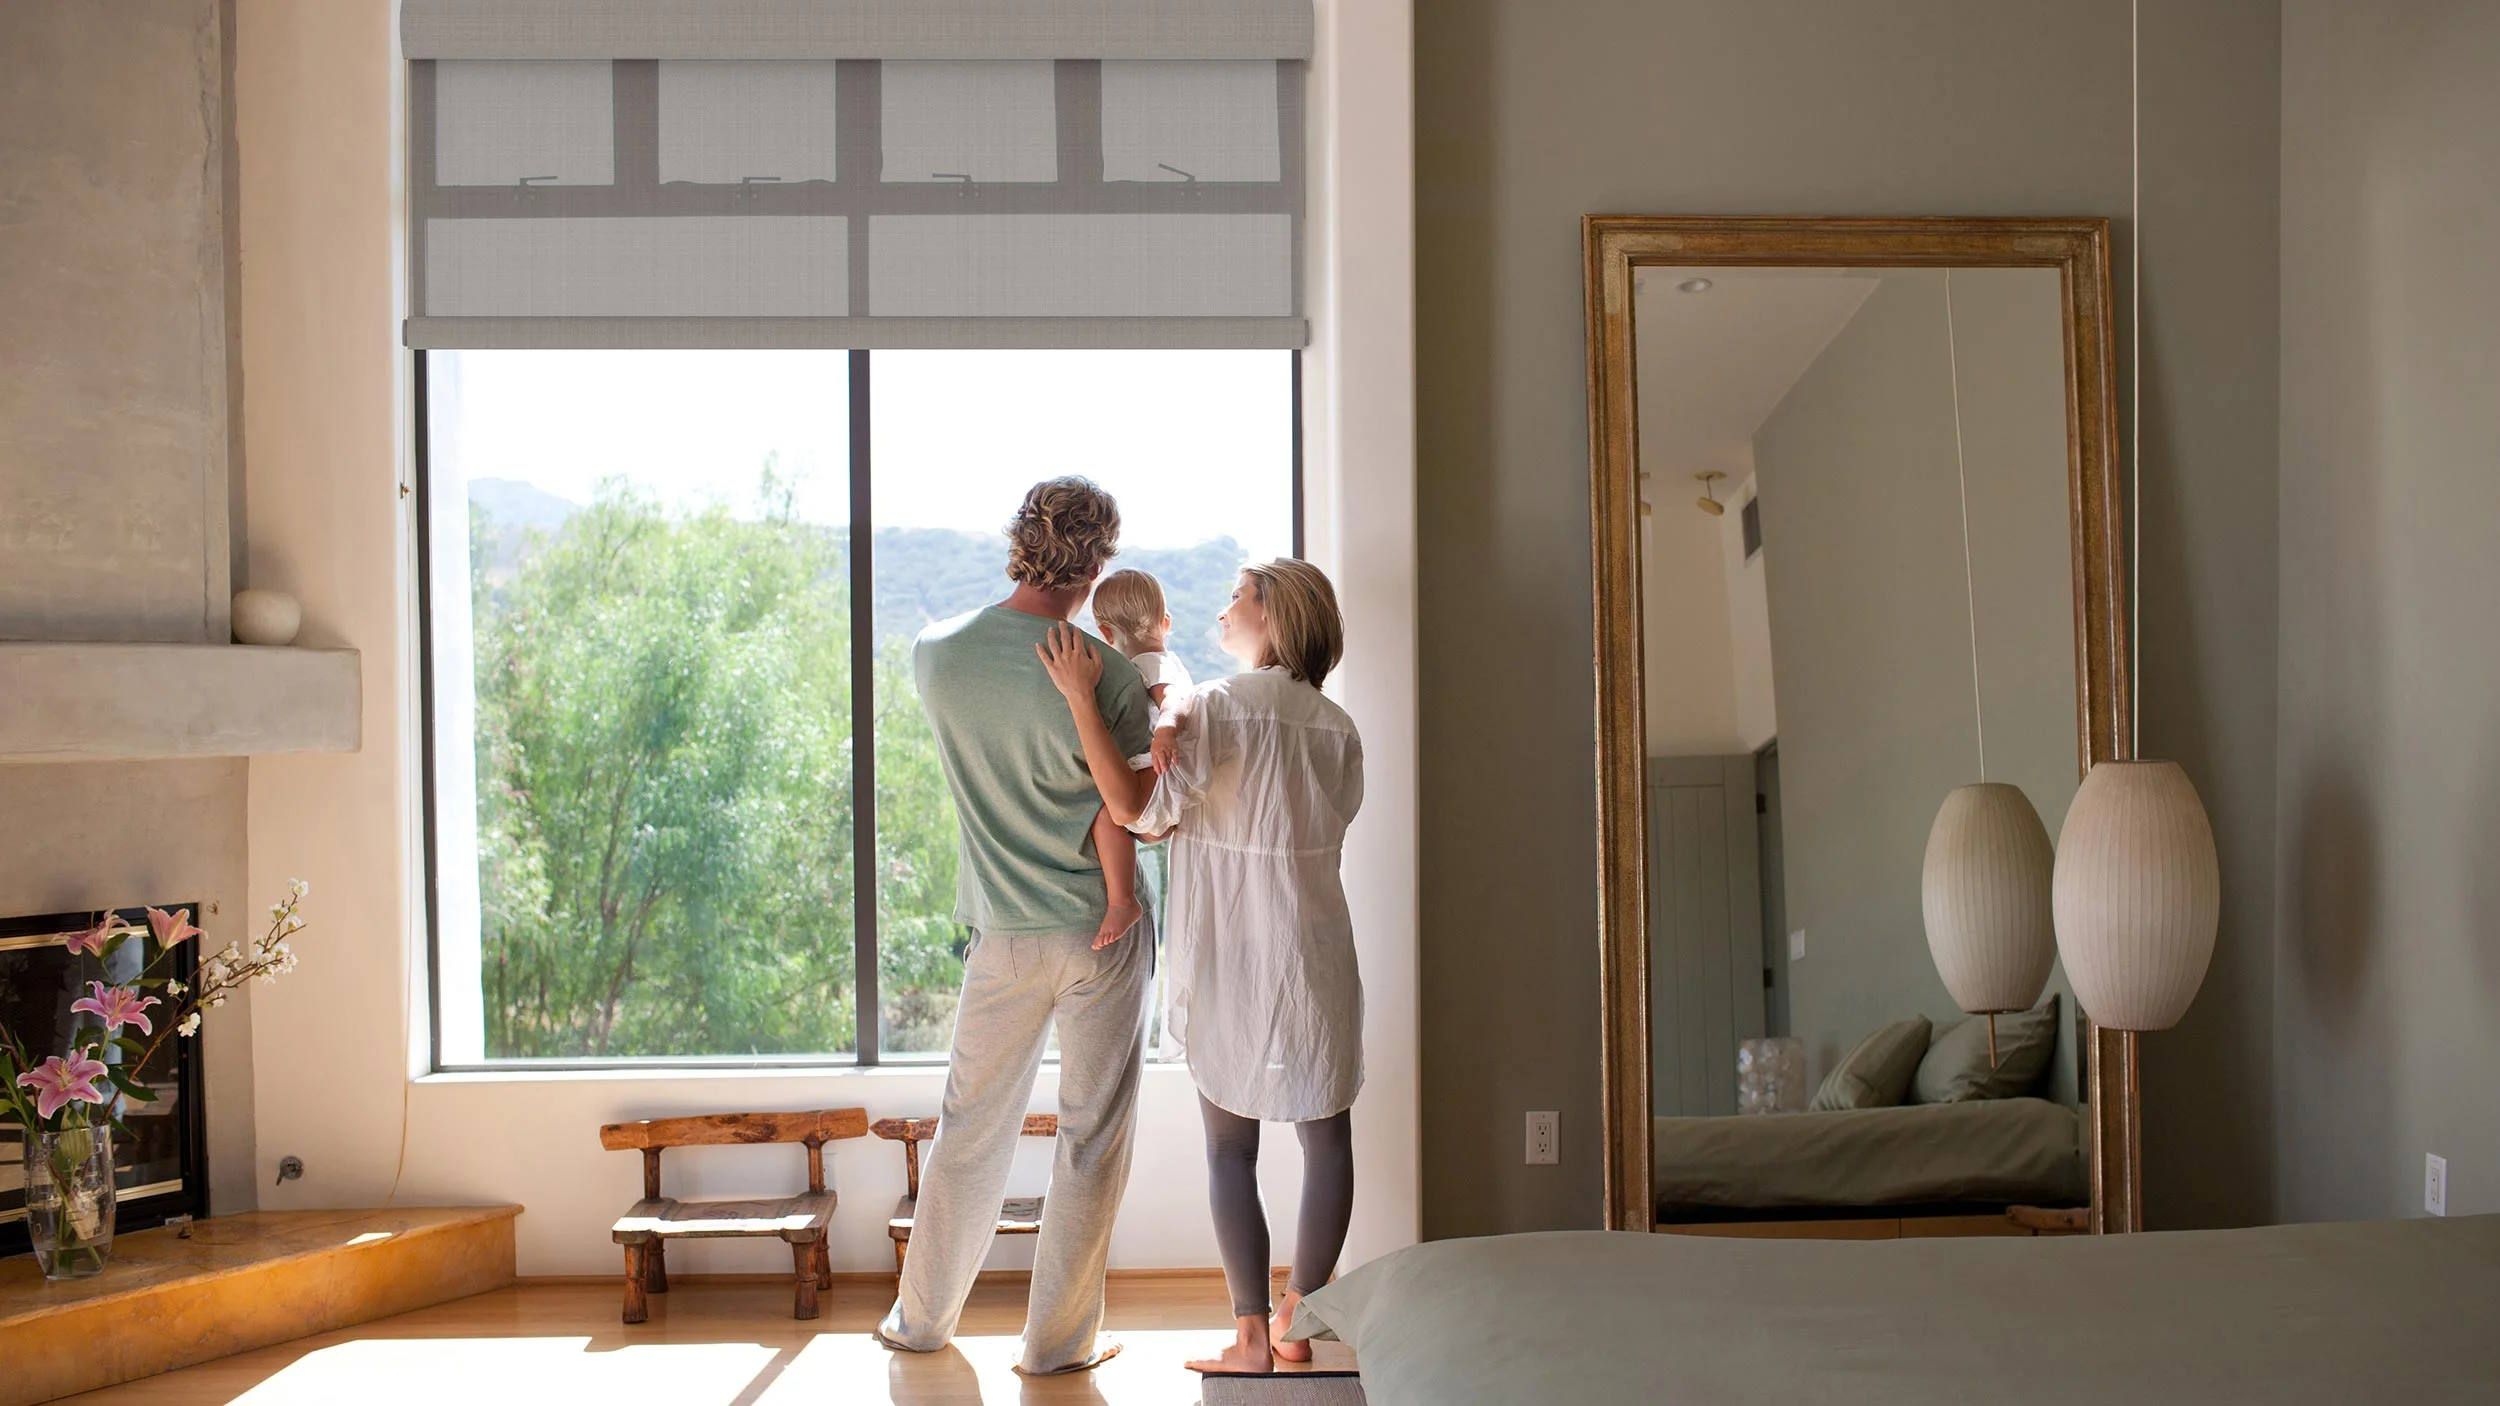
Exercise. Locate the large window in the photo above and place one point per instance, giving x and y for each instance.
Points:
(683, 805)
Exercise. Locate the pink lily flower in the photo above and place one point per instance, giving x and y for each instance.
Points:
(91, 942)
(116, 1006)
(59, 1081)
(171, 928)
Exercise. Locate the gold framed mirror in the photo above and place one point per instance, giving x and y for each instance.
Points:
(1762, 443)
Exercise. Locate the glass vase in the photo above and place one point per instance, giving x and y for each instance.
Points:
(69, 1200)
(1771, 1075)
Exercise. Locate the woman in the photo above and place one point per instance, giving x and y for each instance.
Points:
(1257, 781)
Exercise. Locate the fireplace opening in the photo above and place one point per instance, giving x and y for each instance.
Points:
(161, 1166)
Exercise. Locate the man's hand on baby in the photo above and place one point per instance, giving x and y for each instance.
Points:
(1071, 662)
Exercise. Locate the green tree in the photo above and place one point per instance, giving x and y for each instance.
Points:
(664, 766)
(664, 787)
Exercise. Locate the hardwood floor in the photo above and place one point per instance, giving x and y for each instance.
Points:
(719, 1342)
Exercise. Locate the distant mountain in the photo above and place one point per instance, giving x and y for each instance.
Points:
(923, 574)
(504, 515)
(928, 574)
(511, 503)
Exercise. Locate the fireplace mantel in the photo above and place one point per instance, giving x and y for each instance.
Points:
(67, 702)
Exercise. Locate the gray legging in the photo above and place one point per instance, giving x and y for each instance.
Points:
(1241, 1221)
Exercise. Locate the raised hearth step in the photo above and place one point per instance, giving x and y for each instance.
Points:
(171, 1298)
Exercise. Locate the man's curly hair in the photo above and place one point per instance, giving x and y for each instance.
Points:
(1067, 528)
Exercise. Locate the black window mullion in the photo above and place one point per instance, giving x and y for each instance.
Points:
(423, 508)
(863, 728)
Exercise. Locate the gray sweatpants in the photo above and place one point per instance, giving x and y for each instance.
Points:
(1014, 987)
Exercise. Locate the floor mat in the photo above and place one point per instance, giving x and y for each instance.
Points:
(1281, 1389)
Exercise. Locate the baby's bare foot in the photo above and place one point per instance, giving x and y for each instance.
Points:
(1116, 921)
(1282, 1324)
(1249, 1352)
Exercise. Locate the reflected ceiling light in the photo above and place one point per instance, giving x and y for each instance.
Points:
(1693, 285)
(1708, 502)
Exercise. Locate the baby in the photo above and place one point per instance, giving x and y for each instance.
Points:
(1129, 607)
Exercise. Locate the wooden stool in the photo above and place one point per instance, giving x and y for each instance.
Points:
(1017, 1215)
(800, 1220)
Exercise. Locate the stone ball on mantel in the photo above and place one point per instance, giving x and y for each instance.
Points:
(266, 617)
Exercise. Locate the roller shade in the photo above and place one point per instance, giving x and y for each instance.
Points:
(855, 173)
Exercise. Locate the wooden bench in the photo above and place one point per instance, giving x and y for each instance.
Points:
(1017, 1215)
(799, 1220)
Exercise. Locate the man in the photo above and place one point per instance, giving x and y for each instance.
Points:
(1031, 890)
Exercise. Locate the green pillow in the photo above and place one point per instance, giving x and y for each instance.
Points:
(1956, 1069)
(1877, 1073)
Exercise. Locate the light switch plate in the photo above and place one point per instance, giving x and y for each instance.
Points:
(1542, 1139)
(2434, 1183)
(1797, 945)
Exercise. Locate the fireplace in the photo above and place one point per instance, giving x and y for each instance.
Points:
(162, 1165)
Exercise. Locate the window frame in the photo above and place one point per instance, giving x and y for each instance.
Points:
(868, 1021)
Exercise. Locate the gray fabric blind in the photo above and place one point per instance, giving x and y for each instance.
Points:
(855, 173)
(855, 29)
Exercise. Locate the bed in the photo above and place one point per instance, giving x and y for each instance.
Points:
(1988, 1152)
(2396, 1311)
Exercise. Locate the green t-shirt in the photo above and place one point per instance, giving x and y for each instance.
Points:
(1024, 801)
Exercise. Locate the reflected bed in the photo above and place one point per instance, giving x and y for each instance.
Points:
(1988, 1152)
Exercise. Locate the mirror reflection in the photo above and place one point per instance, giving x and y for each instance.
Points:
(1858, 600)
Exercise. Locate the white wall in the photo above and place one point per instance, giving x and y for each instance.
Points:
(1749, 620)
(1689, 679)
(327, 417)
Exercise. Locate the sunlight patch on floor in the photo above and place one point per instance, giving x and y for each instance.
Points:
(514, 1369)
(978, 1370)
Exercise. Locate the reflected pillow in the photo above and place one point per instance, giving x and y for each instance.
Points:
(1877, 1073)
(1956, 1068)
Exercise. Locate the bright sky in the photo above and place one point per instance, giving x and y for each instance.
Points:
(1193, 444)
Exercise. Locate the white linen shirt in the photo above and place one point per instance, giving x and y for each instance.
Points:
(1261, 991)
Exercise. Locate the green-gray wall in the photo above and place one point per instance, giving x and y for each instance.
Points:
(1862, 525)
(2388, 983)
(1531, 113)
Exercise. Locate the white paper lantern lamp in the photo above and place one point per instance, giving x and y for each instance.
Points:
(2137, 893)
(1984, 886)
(1985, 892)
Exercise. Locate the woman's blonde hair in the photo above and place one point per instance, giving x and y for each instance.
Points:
(1061, 536)
(1305, 634)
(1129, 607)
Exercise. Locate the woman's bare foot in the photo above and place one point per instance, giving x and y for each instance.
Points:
(1249, 1352)
(1116, 921)
(1282, 1324)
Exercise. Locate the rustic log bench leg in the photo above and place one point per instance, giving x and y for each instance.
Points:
(824, 1264)
(656, 1278)
(803, 1261)
(637, 1258)
(898, 1259)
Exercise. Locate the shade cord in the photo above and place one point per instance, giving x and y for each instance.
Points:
(1961, 473)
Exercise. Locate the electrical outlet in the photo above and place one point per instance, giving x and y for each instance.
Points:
(1542, 1139)
(2434, 1183)
(1797, 945)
